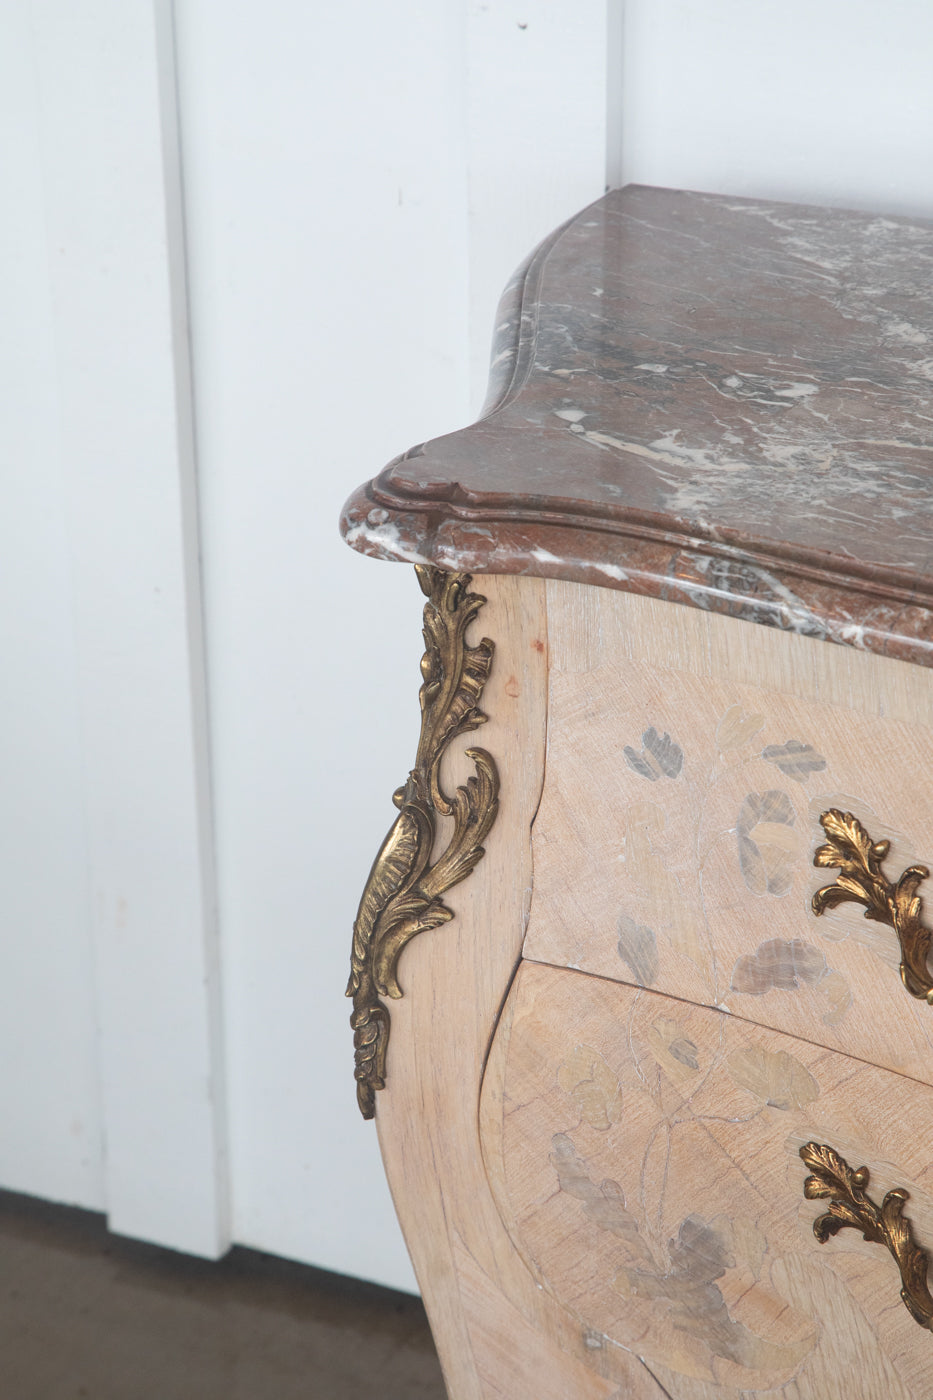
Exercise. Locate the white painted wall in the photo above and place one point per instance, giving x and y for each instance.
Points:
(113, 217)
(536, 132)
(50, 1114)
(826, 101)
(359, 182)
(359, 186)
(327, 235)
(109, 1025)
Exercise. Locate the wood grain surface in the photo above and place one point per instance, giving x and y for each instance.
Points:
(599, 1184)
(644, 1155)
(689, 759)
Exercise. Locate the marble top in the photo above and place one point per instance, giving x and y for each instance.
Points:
(718, 401)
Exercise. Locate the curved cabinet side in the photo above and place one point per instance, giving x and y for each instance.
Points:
(492, 1325)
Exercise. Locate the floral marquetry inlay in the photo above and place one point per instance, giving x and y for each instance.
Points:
(674, 845)
(675, 1225)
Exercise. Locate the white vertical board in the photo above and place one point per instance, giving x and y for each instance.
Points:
(615, 57)
(325, 196)
(830, 103)
(536, 130)
(50, 1117)
(112, 202)
(336, 273)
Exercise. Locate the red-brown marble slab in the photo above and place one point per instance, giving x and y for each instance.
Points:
(720, 401)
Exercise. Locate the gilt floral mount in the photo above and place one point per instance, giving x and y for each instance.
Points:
(834, 1180)
(862, 881)
(403, 895)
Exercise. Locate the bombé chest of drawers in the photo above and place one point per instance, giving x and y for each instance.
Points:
(641, 999)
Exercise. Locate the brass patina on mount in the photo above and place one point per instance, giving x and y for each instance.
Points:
(403, 894)
(834, 1180)
(862, 880)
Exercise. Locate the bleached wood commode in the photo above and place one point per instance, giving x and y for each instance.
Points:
(656, 1103)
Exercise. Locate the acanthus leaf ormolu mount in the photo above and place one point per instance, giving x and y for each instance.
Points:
(403, 894)
(834, 1180)
(862, 880)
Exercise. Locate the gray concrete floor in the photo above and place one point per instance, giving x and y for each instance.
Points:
(85, 1315)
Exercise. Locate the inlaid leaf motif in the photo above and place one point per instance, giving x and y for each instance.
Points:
(699, 1255)
(639, 764)
(776, 1078)
(638, 948)
(768, 845)
(667, 755)
(683, 1272)
(674, 1051)
(795, 760)
(659, 757)
(778, 964)
(594, 1088)
(603, 1202)
(785, 965)
(839, 995)
(737, 728)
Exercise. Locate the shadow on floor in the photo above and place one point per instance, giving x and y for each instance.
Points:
(86, 1315)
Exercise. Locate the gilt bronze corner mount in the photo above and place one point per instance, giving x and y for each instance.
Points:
(862, 881)
(834, 1180)
(403, 894)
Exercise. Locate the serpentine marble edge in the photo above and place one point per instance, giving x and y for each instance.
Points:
(722, 402)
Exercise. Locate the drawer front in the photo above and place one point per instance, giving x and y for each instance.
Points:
(645, 1157)
(674, 845)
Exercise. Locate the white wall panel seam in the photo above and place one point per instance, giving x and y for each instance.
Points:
(110, 162)
(186, 401)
